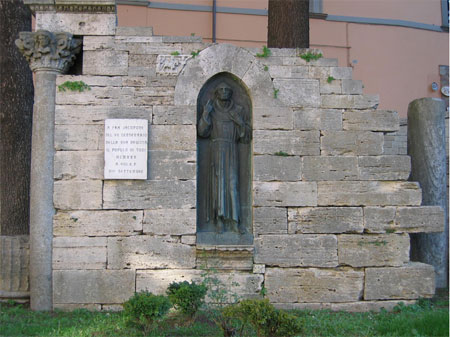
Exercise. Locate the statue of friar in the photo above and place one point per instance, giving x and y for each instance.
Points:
(224, 123)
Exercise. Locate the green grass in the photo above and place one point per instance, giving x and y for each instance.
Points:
(426, 318)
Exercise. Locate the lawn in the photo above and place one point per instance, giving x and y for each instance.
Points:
(426, 318)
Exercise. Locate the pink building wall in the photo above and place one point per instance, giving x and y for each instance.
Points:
(399, 63)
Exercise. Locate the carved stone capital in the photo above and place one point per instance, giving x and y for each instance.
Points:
(45, 50)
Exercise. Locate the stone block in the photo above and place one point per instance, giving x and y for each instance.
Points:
(333, 87)
(269, 220)
(165, 165)
(366, 306)
(259, 269)
(318, 119)
(298, 92)
(368, 193)
(71, 307)
(299, 285)
(330, 168)
(78, 165)
(371, 120)
(243, 285)
(279, 168)
(423, 219)
(412, 281)
(351, 143)
(384, 167)
(98, 42)
(109, 96)
(261, 87)
(337, 73)
(302, 306)
(150, 194)
(173, 137)
(105, 62)
(181, 39)
(97, 223)
(382, 250)
(170, 221)
(93, 286)
(297, 250)
(285, 194)
(217, 258)
(77, 23)
(379, 219)
(78, 137)
(174, 115)
(190, 240)
(77, 194)
(154, 95)
(350, 101)
(352, 87)
(323, 220)
(276, 118)
(14, 264)
(79, 114)
(294, 143)
(149, 252)
(134, 31)
(79, 253)
(136, 81)
(92, 81)
(280, 71)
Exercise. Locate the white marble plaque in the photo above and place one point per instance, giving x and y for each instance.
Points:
(126, 146)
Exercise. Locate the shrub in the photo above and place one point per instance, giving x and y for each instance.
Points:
(145, 308)
(187, 297)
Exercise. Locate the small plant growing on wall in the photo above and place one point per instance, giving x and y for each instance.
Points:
(330, 79)
(195, 53)
(275, 93)
(265, 52)
(281, 154)
(79, 86)
(309, 56)
(175, 53)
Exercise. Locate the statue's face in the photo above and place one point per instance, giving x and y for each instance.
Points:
(224, 92)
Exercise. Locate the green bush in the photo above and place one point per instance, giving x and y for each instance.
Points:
(187, 297)
(145, 309)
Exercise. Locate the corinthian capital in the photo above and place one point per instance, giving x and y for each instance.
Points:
(45, 50)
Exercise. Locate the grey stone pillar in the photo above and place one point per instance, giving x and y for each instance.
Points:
(426, 146)
(48, 54)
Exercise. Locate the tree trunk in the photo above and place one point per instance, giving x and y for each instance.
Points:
(16, 108)
(288, 24)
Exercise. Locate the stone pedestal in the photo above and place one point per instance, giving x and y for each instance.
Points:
(48, 54)
(426, 146)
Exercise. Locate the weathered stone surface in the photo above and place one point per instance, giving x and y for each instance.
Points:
(174, 115)
(350, 143)
(134, 31)
(259, 269)
(424, 219)
(384, 167)
(412, 281)
(325, 220)
(98, 42)
(330, 168)
(105, 62)
(97, 223)
(283, 71)
(366, 306)
(190, 240)
(352, 87)
(303, 306)
(318, 119)
(337, 73)
(77, 23)
(244, 285)
(333, 87)
(299, 143)
(78, 165)
(71, 307)
(270, 220)
(164, 165)
(149, 194)
(76, 114)
(93, 286)
(143, 251)
(109, 96)
(368, 193)
(276, 118)
(78, 194)
(379, 219)
(14, 264)
(172, 137)
(285, 194)
(373, 250)
(78, 137)
(371, 120)
(350, 101)
(170, 221)
(154, 95)
(298, 92)
(225, 258)
(269, 168)
(313, 285)
(79, 253)
(92, 81)
(297, 250)
(137, 81)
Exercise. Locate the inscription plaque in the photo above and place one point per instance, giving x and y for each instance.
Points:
(126, 146)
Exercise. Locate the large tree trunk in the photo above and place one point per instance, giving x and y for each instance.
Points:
(16, 108)
(288, 24)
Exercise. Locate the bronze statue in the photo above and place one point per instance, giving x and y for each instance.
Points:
(223, 122)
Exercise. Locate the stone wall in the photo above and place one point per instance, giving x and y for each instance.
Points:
(331, 215)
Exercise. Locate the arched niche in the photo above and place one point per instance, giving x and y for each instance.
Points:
(224, 162)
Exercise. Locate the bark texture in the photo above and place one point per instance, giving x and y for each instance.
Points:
(288, 24)
(16, 108)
